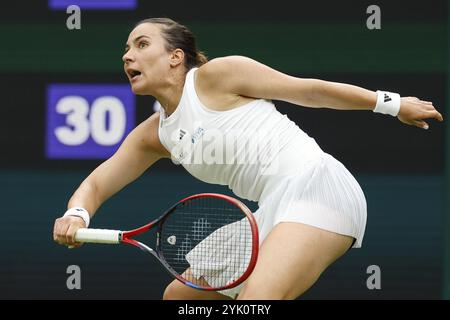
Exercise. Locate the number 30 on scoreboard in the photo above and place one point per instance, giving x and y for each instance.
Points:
(87, 121)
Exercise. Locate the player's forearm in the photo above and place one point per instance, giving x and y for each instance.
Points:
(86, 196)
(333, 95)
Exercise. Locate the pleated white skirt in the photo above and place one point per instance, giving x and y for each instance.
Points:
(324, 195)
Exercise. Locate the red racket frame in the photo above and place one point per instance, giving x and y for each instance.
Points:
(126, 238)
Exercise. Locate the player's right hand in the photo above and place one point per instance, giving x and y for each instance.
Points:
(65, 228)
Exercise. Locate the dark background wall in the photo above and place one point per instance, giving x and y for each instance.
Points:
(400, 168)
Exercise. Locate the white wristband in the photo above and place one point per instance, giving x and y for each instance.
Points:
(79, 212)
(387, 103)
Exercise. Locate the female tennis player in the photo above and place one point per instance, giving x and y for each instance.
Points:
(311, 209)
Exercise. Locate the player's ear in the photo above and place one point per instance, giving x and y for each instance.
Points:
(176, 57)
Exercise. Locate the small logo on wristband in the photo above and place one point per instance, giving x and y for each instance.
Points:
(387, 98)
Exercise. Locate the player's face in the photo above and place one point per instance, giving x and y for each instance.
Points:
(146, 60)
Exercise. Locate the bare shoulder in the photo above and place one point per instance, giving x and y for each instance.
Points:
(215, 71)
(215, 83)
(147, 135)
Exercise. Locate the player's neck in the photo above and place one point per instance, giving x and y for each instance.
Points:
(169, 96)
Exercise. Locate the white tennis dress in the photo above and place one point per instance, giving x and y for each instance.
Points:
(265, 157)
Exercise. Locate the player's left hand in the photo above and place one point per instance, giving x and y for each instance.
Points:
(414, 111)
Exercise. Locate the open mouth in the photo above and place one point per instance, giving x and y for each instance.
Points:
(133, 74)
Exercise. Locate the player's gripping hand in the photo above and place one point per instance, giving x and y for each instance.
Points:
(65, 228)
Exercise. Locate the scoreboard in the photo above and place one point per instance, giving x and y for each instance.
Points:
(87, 121)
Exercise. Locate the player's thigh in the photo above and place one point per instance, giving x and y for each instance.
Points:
(291, 259)
(179, 291)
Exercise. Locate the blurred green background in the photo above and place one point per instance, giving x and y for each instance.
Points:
(401, 169)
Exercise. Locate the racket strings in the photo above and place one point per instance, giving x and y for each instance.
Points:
(208, 241)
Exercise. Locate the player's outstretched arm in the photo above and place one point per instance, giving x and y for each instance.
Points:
(246, 77)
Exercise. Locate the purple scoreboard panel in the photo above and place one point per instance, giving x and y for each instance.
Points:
(94, 4)
(87, 121)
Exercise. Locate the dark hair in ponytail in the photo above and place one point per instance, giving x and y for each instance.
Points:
(179, 36)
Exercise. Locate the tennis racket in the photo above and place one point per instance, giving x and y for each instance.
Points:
(207, 241)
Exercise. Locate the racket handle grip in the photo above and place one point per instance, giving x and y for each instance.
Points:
(98, 236)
